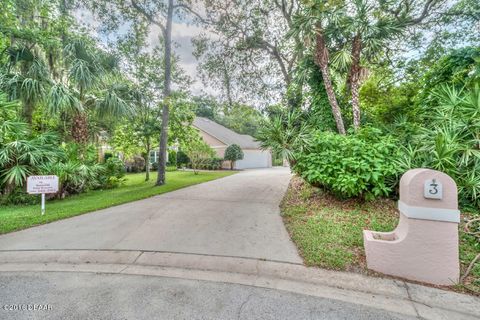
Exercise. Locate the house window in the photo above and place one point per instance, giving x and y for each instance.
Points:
(154, 156)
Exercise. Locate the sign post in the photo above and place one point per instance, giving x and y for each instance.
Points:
(42, 185)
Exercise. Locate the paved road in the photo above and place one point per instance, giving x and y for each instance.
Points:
(234, 216)
(102, 296)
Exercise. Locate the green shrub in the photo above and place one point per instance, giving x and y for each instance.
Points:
(199, 153)
(114, 167)
(210, 164)
(182, 159)
(358, 165)
(19, 196)
(450, 142)
(172, 158)
(113, 175)
(233, 153)
(75, 177)
(137, 164)
(107, 156)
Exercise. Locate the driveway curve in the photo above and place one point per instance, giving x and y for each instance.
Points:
(235, 216)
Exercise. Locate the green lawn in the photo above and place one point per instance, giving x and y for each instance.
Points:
(329, 232)
(14, 218)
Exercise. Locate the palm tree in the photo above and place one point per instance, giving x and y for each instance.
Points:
(25, 78)
(21, 153)
(356, 31)
(365, 29)
(91, 86)
(285, 134)
(311, 25)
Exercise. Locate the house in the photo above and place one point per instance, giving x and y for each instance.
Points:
(219, 138)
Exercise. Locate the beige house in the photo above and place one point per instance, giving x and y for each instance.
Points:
(219, 138)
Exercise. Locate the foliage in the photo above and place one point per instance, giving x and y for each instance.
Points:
(136, 164)
(19, 196)
(114, 173)
(233, 153)
(285, 134)
(450, 142)
(74, 177)
(172, 158)
(198, 151)
(242, 119)
(210, 164)
(182, 159)
(126, 140)
(329, 231)
(459, 68)
(359, 165)
(384, 100)
(22, 153)
(314, 97)
(251, 57)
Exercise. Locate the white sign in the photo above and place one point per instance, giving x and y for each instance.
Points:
(42, 184)
(433, 189)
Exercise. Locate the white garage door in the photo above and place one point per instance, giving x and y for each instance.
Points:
(254, 159)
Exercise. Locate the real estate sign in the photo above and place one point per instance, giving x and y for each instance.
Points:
(42, 184)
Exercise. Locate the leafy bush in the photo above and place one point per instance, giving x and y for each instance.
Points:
(172, 158)
(210, 164)
(114, 167)
(198, 152)
(450, 142)
(284, 134)
(75, 177)
(233, 153)
(182, 159)
(21, 151)
(357, 165)
(137, 164)
(107, 156)
(19, 196)
(114, 174)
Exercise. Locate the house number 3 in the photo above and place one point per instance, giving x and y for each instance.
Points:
(433, 189)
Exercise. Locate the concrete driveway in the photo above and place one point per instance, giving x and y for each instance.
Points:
(233, 216)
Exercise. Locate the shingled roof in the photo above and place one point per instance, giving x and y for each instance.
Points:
(225, 135)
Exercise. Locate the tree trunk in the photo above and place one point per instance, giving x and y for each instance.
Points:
(28, 111)
(355, 79)
(228, 85)
(321, 59)
(162, 157)
(80, 128)
(147, 161)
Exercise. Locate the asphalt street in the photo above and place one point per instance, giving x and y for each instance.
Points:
(85, 296)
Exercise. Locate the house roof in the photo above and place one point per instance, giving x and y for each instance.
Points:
(224, 134)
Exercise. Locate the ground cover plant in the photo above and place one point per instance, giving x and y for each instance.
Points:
(328, 231)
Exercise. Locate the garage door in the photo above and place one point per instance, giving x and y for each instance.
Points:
(254, 159)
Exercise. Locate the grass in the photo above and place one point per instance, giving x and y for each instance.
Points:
(328, 231)
(13, 218)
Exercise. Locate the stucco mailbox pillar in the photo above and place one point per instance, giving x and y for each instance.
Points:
(424, 246)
